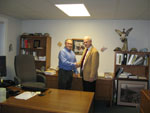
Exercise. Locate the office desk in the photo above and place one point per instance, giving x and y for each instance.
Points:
(54, 101)
(104, 87)
(104, 90)
(52, 82)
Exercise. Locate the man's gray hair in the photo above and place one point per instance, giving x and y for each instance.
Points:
(88, 37)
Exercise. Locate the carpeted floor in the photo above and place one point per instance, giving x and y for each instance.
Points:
(102, 107)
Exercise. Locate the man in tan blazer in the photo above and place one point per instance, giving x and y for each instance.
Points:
(89, 65)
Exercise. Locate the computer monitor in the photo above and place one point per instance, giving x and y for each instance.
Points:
(2, 66)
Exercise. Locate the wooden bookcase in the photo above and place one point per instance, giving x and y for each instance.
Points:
(141, 70)
(39, 47)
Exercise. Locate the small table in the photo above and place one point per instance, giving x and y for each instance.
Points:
(54, 101)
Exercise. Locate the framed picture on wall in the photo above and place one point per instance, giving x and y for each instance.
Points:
(78, 46)
(128, 91)
(36, 43)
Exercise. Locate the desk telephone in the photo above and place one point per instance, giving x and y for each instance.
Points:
(11, 92)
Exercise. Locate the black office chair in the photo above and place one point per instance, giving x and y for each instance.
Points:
(26, 72)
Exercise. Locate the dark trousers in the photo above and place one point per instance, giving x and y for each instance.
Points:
(65, 79)
(88, 86)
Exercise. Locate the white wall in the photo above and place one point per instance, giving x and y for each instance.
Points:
(101, 31)
(149, 37)
(12, 30)
(2, 45)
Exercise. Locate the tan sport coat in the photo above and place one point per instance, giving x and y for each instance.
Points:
(91, 64)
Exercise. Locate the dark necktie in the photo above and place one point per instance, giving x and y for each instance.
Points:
(83, 58)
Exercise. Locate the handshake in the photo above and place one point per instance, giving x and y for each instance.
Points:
(77, 65)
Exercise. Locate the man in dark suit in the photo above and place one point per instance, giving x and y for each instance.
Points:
(89, 64)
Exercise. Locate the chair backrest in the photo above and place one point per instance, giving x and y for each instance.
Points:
(25, 68)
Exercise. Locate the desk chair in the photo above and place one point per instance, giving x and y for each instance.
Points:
(26, 72)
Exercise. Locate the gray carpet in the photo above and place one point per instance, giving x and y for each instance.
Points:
(102, 107)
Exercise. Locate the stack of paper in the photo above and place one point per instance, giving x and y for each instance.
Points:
(124, 75)
(42, 58)
(50, 72)
(133, 77)
(26, 95)
(108, 75)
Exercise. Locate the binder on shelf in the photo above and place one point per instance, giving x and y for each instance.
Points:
(128, 56)
(124, 59)
(134, 59)
(119, 59)
(145, 60)
(26, 43)
(22, 43)
(118, 72)
(130, 59)
(138, 61)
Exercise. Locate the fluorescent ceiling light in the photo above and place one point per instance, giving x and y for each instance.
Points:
(73, 9)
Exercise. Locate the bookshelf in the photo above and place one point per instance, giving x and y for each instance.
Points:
(128, 61)
(39, 47)
(131, 74)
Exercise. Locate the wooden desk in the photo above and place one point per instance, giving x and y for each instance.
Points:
(145, 101)
(104, 87)
(54, 101)
(52, 82)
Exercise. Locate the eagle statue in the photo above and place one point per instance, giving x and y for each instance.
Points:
(123, 34)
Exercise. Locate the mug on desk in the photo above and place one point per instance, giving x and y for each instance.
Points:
(2, 94)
